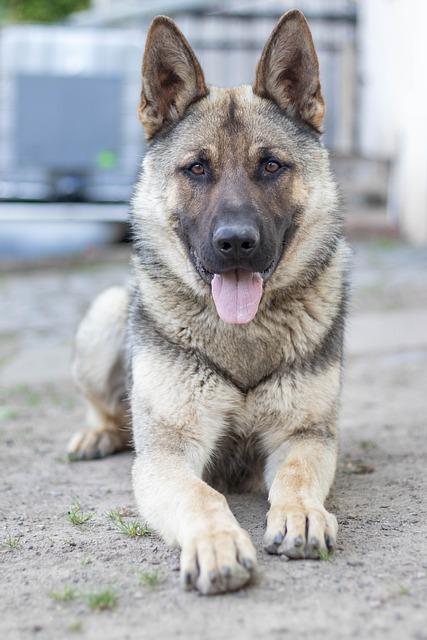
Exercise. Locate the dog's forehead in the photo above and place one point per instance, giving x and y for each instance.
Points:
(236, 120)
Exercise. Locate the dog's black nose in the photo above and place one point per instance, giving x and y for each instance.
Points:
(236, 241)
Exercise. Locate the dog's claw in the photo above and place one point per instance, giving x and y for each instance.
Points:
(213, 576)
(188, 580)
(330, 542)
(271, 545)
(248, 564)
(278, 538)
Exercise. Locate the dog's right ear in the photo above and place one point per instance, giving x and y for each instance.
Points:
(172, 77)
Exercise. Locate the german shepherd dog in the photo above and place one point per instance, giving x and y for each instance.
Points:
(227, 348)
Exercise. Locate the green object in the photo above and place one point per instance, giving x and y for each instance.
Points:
(106, 159)
(39, 10)
(102, 600)
(7, 413)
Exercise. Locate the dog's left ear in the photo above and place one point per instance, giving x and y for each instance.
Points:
(288, 70)
(172, 77)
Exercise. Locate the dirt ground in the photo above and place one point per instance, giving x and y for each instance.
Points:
(51, 571)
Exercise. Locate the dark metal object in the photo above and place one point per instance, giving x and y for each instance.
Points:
(68, 124)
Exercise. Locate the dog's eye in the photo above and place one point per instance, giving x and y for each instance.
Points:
(271, 166)
(197, 169)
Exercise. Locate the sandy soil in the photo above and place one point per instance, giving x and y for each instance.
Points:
(374, 587)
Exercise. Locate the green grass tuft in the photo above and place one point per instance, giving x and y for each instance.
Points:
(325, 555)
(366, 445)
(66, 595)
(150, 579)
(131, 528)
(11, 542)
(7, 413)
(76, 516)
(404, 591)
(29, 396)
(101, 600)
(75, 627)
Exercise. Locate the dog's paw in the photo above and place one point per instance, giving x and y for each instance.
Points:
(95, 443)
(300, 532)
(218, 562)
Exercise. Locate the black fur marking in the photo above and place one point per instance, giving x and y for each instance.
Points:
(311, 273)
(231, 123)
(232, 109)
(318, 265)
(147, 331)
(331, 348)
(237, 463)
(152, 264)
(314, 432)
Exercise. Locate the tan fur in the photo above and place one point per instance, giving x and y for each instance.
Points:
(98, 371)
(217, 405)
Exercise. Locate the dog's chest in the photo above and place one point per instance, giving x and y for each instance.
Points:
(240, 453)
(245, 357)
(238, 462)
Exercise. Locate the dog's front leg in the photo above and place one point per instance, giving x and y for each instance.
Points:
(300, 474)
(177, 423)
(216, 553)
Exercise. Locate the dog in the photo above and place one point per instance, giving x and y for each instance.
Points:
(227, 347)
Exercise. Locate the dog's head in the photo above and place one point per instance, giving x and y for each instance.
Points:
(236, 171)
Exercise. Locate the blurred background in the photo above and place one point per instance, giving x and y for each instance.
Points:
(71, 144)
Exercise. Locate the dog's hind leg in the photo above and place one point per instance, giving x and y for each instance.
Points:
(99, 372)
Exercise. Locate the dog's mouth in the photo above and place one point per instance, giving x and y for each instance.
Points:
(236, 293)
(208, 276)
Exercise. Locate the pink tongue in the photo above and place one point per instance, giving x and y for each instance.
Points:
(237, 295)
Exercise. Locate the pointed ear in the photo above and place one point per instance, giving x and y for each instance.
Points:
(288, 70)
(172, 78)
